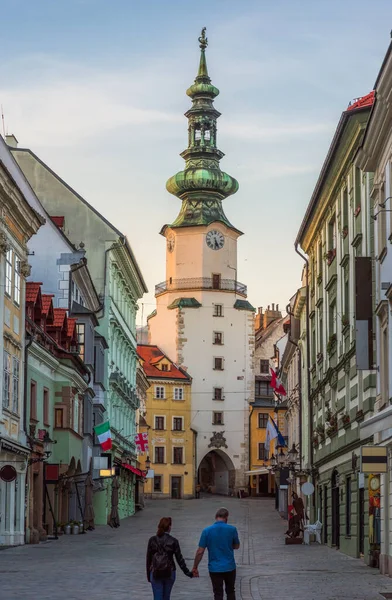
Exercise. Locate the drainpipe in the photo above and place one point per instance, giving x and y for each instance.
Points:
(27, 346)
(288, 310)
(310, 449)
(250, 448)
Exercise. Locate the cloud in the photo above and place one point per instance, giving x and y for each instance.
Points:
(263, 128)
(264, 170)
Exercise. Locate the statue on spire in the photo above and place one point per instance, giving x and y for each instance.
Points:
(203, 41)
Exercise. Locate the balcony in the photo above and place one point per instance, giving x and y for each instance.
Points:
(201, 283)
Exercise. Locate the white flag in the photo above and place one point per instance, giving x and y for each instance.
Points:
(271, 434)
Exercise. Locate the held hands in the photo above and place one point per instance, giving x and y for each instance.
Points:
(195, 572)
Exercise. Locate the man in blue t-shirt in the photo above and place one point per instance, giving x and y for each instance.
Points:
(221, 540)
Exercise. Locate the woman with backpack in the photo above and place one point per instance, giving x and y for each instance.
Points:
(161, 569)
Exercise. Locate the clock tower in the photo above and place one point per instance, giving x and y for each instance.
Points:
(203, 320)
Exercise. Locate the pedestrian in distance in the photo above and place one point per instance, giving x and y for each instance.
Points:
(161, 568)
(221, 539)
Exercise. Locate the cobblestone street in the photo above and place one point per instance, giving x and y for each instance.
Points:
(110, 564)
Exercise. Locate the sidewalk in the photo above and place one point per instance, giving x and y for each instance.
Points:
(109, 564)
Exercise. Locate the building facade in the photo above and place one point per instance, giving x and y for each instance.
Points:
(119, 284)
(336, 236)
(375, 157)
(168, 423)
(269, 326)
(202, 311)
(18, 223)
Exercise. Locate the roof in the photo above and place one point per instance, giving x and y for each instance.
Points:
(363, 102)
(58, 221)
(244, 305)
(151, 355)
(32, 291)
(47, 302)
(184, 303)
(71, 327)
(60, 315)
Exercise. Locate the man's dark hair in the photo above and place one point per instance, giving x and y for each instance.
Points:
(222, 513)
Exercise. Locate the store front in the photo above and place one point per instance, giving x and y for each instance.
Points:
(13, 465)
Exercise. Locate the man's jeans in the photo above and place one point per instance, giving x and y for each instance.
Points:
(228, 579)
(162, 587)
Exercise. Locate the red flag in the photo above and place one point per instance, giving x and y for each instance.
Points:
(276, 384)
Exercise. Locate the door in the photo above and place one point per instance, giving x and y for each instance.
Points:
(263, 485)
(216, 281)
(176, 488)
(335, 511)
(361, 521)
(325, 523)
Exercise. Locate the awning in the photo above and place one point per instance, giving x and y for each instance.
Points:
(262, 471)
(134, 470)
(378, 423)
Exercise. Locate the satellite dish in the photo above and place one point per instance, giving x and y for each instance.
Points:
(307, 488)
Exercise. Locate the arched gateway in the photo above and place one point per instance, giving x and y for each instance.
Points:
(217, 473)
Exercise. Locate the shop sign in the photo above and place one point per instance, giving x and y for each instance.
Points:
(8, 473)
(374, 459)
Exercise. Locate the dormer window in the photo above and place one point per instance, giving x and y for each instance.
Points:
(165, 367)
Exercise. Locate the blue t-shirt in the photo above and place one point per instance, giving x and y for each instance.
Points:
(219, 539)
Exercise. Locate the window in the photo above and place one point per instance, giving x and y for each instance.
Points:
(157, 483)
(320, 259)
(177, 424)
(332, 234)
(7, 379)
(178, 456)
(178, 393)
(263, 420)
(58, 414)
(8, 272)
(348, 506)
(218, 364)
(345, 208)
(264, 366)
(15, 384)
(159, 454)
(217, 418)
(218, 310)
(159, 392)
(263, 388)
(17, 281)
(332, 318)
(46, 406)
(165, 367)
(80, 332)
(218, 338)
(263, 454)
(33, 400)
(160, 423)
(207, 135)
(76, 414)
(216, 281)
(218, 393)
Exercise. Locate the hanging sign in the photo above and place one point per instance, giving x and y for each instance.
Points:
(8, 473)
(374, 459)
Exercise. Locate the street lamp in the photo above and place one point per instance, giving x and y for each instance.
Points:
(47, 443)
(281, 457)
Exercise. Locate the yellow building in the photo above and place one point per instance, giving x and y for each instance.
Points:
(168, 419)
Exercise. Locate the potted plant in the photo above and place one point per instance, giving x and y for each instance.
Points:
(331, 344)
(67, 529)
(345, 231)
(359, 416)
(315, 440)
(346, 420)
(330, 255)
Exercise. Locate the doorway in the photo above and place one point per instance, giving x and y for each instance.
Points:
(176, 487)
(361, 521)
(217, 473)
(263, 485)
(325, 524)
(335, 510)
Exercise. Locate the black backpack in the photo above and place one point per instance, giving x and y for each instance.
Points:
(161, 563)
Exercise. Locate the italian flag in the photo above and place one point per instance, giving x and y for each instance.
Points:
(102, 431)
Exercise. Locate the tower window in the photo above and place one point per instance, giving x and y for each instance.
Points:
(218, 338)
(218, 364)
(217, 418)
(197, 135)
(218, 393)
(218, 310)
(207, 135)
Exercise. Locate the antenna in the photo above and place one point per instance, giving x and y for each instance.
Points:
(2, 119)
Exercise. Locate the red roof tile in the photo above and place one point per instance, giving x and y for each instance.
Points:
(71, 327)
(60, 315)
(151, 355)
(59, 221)
(46, 303)
(362, 102)
(32, 291)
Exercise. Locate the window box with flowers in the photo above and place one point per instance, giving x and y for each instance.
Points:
(331, 344)
(315, 440)
(345, 231)
(330, 256)
(346, 420)
(359, 416)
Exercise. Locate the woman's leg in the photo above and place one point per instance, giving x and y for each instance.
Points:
(157, 588)
(167, 586)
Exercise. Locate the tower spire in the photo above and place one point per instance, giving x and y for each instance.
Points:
(202, 185)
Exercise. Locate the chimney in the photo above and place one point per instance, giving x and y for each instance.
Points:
(259, 319)
(11, 141)
(271, 315)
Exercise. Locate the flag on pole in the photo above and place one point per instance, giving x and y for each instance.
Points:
(271, 434)
(104, 436)
(281, 440)
(276, 384)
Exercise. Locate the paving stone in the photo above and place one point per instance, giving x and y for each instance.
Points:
(110, 563)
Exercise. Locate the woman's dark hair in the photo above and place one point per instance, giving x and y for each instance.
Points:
(164, 526)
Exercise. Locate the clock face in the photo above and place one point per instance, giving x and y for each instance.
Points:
(215, 240)
(170, 243)
(375, 484)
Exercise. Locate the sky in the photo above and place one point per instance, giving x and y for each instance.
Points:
(97, 91)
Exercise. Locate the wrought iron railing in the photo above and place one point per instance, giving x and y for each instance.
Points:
(201, 283)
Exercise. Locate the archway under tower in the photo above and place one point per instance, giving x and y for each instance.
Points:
(216, 473)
